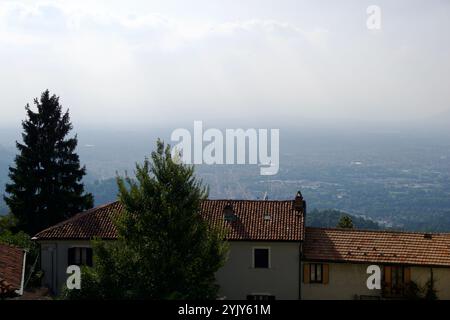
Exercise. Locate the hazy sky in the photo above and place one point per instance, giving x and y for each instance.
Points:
(282, 61)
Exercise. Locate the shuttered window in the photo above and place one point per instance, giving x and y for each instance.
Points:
(80, 256)
(315, 273)
(396, 279)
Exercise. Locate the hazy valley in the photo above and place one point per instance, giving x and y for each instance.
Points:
(396, 179)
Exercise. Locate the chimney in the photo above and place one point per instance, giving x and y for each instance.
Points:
(228, 212)
(299, 203)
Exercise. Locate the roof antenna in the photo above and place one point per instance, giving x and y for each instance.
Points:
(266, 193)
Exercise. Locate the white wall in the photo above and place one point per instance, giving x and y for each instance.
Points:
(54, 262)
(238, 278)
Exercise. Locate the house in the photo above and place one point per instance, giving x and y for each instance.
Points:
(12, 270)
(273, 256)
(335, 263)
(265, 239)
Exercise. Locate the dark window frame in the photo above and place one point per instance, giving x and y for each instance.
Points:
(256, 264)
(80, 256)
(397, 279)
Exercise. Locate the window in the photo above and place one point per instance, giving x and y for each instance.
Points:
(396, 279)
(80, 256)
(260, 297)
(316, 272)
(261, 258)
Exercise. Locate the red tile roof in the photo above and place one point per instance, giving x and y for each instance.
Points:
(94, 223)
(257, 220)
(384, 247)
(11, 268)
(283, 222)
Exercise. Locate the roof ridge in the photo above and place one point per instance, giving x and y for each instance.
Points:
(380, 231)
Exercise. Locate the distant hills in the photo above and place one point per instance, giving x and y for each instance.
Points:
(330, 219)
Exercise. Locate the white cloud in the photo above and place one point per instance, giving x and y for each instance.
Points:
(116, 66)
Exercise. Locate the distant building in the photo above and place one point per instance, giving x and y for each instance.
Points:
(273, 256)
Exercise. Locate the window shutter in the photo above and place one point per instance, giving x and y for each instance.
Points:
(387, 279)
(71, 256)
(325, 273)
(407, 275)
(306, 273)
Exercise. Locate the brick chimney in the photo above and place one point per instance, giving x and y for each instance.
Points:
(299, 203)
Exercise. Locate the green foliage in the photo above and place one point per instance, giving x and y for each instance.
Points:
(413, 291)
(345, 222)
(426, 292)
(430, 290)
(7, 222)
(46, 183)
(23, 241)
(331, 218)
(20, 239)
(166, 250)
(114, 274)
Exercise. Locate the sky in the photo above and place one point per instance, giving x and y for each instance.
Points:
(283, 62)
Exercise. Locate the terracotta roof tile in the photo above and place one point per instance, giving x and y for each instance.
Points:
(11, 267)
(350, 245)
(257, 219)
(94, 223)
(282, 223)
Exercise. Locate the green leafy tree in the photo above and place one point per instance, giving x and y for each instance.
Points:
(46, 183)
(165, 250)
(7, 222)
(345, 222)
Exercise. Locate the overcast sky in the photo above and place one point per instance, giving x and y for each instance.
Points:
(156, 62)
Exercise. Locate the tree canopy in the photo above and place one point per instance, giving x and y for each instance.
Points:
(345, 222)
(165, 250)
(46, 185)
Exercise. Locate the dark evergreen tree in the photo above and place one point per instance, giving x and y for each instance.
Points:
(46, 185)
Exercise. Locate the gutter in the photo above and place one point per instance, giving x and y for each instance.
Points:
(20, 291)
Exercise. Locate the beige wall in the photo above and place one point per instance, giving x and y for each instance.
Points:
(348, 281)
(345, 281)
(54, 262)
(238, 278)
(421, 275)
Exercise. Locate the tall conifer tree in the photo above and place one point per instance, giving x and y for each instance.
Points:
(46, 185)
